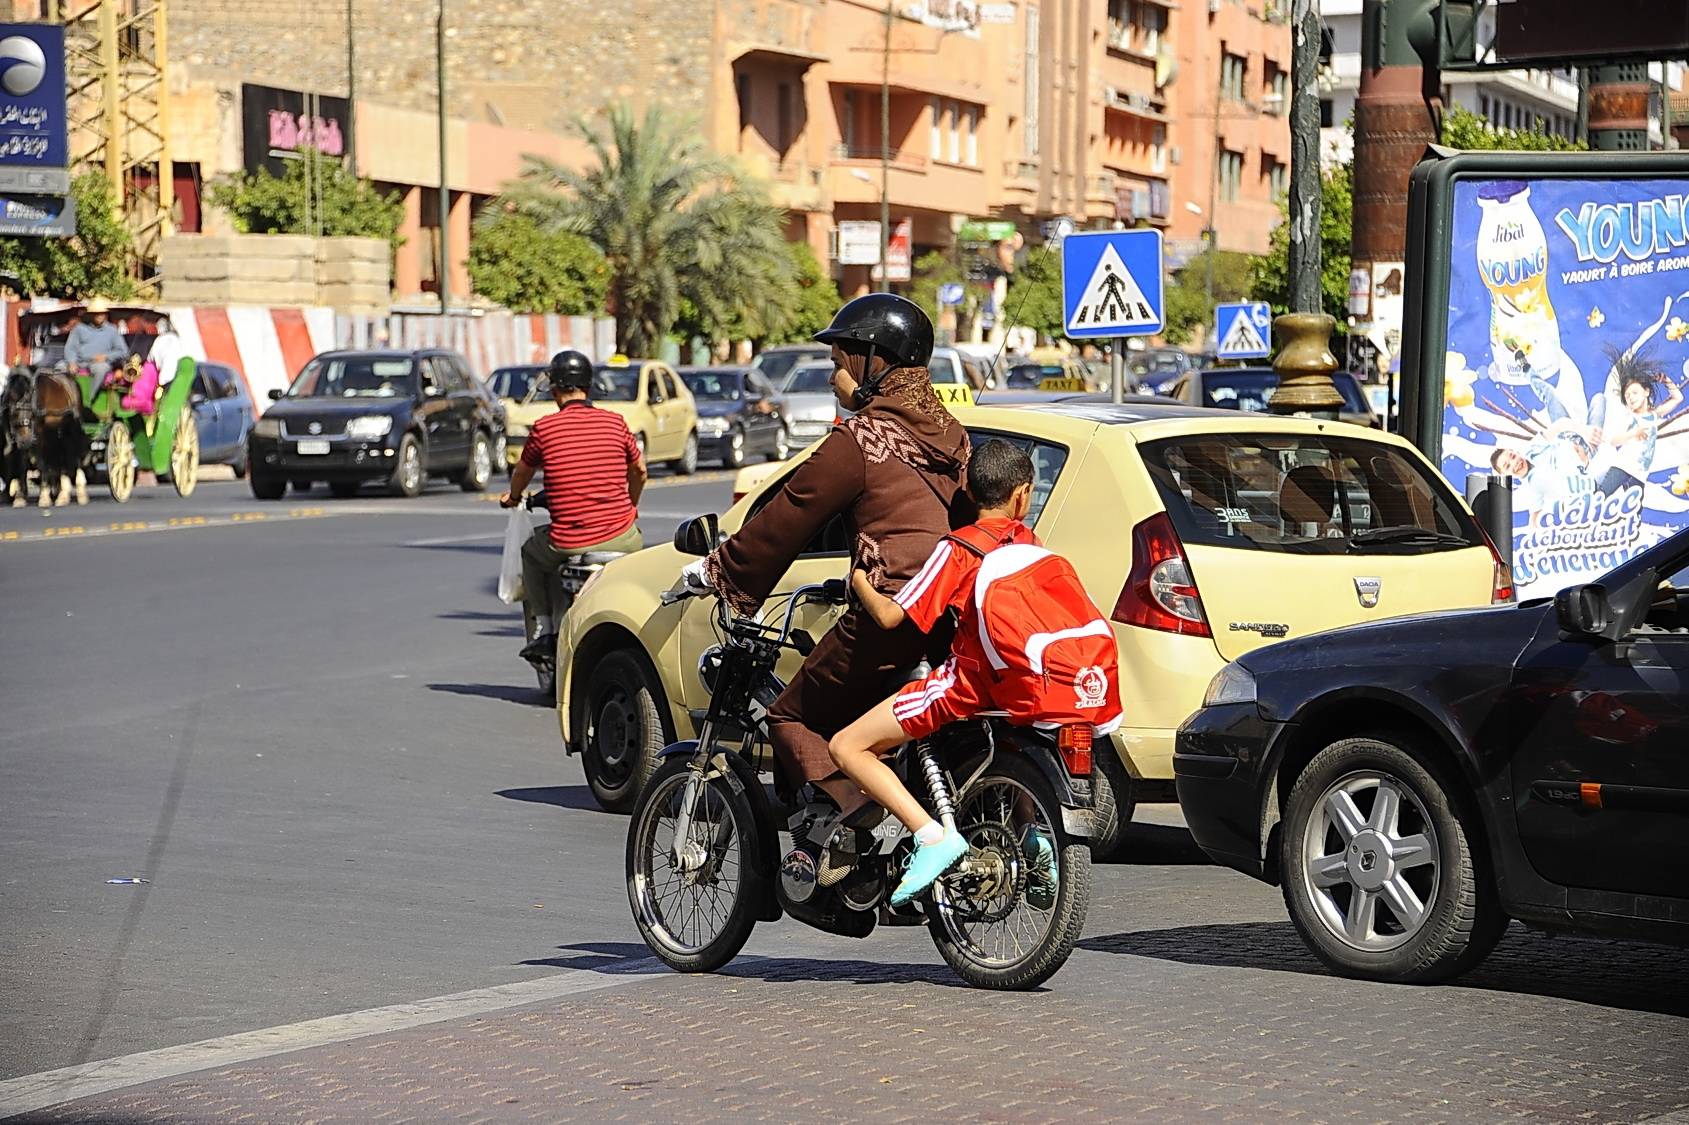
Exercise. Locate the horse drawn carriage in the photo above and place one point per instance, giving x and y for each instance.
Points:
(116, 419)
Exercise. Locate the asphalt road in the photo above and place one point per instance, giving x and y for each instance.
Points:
(305, 725)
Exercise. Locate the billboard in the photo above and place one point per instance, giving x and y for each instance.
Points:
(33, 130)
(1566, 364)
(277, 123)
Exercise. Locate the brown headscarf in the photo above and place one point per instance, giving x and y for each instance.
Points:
(905, 396)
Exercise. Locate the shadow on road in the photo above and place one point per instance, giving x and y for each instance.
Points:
(471, 548)
(563, 796)
(1157, 845)
(526, 694)
(625, 958)
(476, 615)
(1612, 974)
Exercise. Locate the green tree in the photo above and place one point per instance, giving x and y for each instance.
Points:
(926, 274)
(522, 267)
(316, 194)
(675, 224)
(817, 297)
(92, 263)
(1033, 299)
(1464, 129)
(1189, 311)
(1271, 280)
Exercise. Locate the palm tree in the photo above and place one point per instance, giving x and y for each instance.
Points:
(675, 224)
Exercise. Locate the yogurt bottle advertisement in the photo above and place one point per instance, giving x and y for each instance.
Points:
(1568, 366)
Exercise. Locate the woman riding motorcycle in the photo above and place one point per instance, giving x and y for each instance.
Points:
(894, 471)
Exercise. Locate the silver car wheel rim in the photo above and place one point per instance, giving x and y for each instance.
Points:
(483, 462)
(413, 467)
(1370, 862)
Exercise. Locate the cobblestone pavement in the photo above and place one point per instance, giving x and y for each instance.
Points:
(1192, 999)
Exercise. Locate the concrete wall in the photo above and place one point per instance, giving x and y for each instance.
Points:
(347, 274)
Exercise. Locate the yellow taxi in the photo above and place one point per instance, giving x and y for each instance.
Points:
(526, 396)
(647, 393)
(1204, 533)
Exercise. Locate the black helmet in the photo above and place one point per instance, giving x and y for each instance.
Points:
(569, 370)
(894, 326)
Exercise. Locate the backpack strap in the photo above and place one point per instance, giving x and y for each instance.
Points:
(980, 542)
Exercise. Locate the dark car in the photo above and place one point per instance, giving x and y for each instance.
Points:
(1249, 388)
(740, 414)
(223, 415)
(776, 363)
(1414, 783)
(1154, 368)
(397, 417)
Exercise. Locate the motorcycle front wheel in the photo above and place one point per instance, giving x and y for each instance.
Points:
(695, 904)
(996, 920)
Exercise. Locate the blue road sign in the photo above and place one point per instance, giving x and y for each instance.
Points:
(1244, 330)
(1111, 283)
(33, 126)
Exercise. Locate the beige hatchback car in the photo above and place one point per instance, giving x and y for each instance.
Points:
(1207, 532)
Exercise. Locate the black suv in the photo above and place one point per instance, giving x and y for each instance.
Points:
(394, 416)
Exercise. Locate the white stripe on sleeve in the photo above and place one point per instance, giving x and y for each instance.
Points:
(924, 578)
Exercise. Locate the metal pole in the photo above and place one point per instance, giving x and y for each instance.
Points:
(166, 167)
(112, 111)
(1210, 234)
(1305, 197)
(1117, 370)
(885, 153)
(445, 281)
(351, 91)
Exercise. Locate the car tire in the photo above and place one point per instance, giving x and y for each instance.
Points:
(343, 489)
(239, 464)
(301, 485)
(1113, 800)
(688, 463)
(733, 449)
(410, 469)
(266, 487)
(1426, 855)
(624, 731)
(474, 478)
(782, 445)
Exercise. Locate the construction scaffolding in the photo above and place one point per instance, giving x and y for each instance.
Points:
(115, 69)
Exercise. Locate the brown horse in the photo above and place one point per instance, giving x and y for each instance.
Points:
(17, 438)
(62, 444)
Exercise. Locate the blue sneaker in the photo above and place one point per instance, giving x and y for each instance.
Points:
(1041, 881)
(927, 864)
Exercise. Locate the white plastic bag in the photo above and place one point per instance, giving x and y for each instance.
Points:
(517, 529)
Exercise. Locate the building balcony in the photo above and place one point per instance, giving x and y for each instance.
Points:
(1133, 104)
(913, 182)
(874, 154)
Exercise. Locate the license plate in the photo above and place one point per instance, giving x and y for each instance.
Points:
(313, 448)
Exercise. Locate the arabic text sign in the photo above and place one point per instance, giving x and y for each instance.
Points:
(32, 95)
(1568, 365)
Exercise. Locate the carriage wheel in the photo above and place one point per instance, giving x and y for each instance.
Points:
(184, 455)
(120, 461)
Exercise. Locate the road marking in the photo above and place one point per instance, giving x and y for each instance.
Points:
(33, 1092)
(447, 540)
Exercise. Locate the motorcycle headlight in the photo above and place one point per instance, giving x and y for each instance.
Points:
(712, 427)
(267, 427)
(1233, 684)
(369, 427)
(709, 668)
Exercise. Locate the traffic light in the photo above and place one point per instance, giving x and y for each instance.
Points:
(1456, 38)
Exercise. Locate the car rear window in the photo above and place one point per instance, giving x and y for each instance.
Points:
(1306, 494)
(942, 369)
(1250, 390)
(811, 380)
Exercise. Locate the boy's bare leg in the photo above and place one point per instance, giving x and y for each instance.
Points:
(856, 751)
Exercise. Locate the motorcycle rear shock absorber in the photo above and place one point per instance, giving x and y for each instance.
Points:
(936, 785)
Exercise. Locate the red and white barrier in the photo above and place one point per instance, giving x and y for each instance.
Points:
(267, 346)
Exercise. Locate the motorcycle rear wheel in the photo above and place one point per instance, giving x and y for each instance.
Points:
(1001, 940)
(694, 921)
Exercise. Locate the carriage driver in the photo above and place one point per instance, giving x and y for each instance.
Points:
(95, 345)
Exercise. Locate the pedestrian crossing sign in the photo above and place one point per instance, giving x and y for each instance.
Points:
(1111, 283)
(1243, 329)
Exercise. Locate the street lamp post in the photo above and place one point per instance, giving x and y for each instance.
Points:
(444, 276)
(885, 151)
(351, 91)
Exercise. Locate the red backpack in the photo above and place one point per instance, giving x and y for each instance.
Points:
(1050, 651)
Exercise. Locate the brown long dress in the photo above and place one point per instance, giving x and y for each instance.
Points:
(895, 472)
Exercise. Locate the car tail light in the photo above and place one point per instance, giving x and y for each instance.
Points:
(1074, 745)
(1501, 589)
(1160, 592)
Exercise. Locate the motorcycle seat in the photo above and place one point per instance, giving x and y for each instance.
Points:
(591, 558)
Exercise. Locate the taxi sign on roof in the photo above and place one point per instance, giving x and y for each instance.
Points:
(1063, 383)
(954, 394)
(1112, 283)
(617, 360)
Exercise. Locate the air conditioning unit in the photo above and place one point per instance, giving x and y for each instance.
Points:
(1213, 7)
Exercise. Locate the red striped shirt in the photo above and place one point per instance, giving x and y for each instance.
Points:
(584, 453)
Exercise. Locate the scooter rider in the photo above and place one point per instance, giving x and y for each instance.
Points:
(893, 472)
(593, 477)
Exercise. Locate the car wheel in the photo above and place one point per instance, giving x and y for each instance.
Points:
(408, 470)
(1381, 869)
(343, 489)
(733, 451)
(688, 463)
(624, 729)
(782, 445)
(480, 470)
(1113, 801)
(266, 487)
(240, 463)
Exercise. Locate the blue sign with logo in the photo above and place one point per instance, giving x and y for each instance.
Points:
(32, 96)
(1111, 283)
(1243, 330)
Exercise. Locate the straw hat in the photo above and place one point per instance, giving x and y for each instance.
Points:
(97, 305)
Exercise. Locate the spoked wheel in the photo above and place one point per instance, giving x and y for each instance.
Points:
(120, 461)
(695, 904)
(184, 455)
(995, 917)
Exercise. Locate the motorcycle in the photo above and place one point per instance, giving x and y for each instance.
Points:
(711, 851)
(571, 577)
